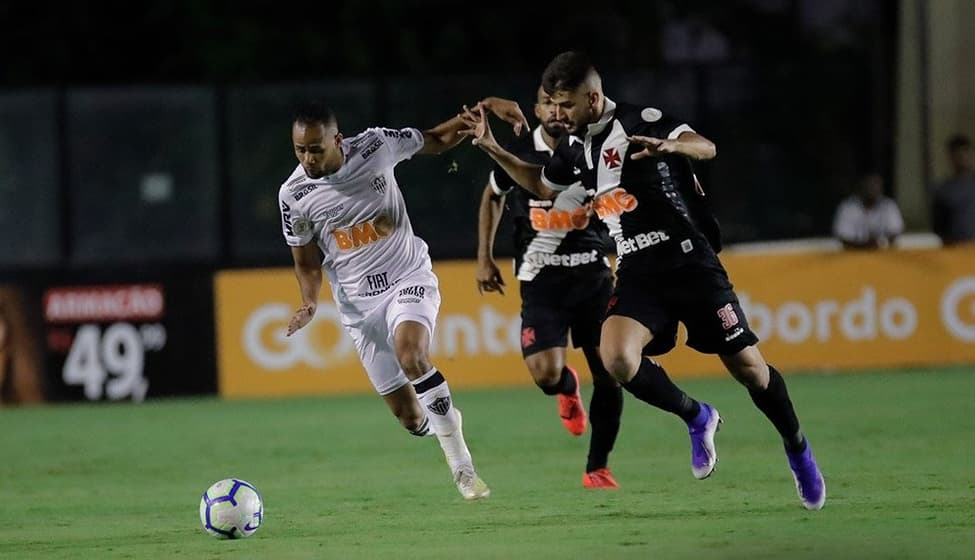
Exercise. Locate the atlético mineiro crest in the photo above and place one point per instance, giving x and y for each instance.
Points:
(379, 184)
(440, 406)
(611, 158)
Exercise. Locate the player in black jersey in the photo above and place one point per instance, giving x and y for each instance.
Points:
(638, 161)
(565, 283)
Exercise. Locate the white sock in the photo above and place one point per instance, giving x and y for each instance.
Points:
(434, 395)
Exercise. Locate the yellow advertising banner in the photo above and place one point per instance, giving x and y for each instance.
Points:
(811, 311)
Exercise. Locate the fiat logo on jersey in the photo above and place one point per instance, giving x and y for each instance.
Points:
(611, 158)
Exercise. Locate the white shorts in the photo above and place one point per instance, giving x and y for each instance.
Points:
(414, 298)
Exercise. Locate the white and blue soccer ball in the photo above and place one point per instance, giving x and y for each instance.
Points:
(231, 509)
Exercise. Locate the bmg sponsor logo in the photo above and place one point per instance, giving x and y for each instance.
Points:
(362, 234)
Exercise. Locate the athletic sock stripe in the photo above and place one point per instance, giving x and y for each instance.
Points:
(429, 383)
(424, 428)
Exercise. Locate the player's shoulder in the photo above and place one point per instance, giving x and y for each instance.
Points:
(362, 148)
(635, 117)
(355, 145)
(295, 182)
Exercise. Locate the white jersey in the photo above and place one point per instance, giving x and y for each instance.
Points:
(358, 218)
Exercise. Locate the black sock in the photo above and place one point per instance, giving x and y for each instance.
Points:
(605, 410)
(774, 402)
(651, 385)
(566, 385)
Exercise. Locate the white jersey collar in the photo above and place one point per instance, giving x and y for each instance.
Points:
(609, 110)
(540, 145)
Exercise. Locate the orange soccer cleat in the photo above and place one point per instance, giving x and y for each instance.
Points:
(571, 409)
(599, 478)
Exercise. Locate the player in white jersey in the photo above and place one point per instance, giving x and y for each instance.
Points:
(343, 202)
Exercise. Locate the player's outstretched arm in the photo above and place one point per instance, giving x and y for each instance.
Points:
(688, 144)
(308, 270)
(488, 274)
(444, 136)
(527, 175)
(447, 134)
(508, 111)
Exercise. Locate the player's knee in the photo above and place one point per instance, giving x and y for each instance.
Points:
(753, 377)
(619, 364)
(545, 373)
(413, 360)
(748, 368)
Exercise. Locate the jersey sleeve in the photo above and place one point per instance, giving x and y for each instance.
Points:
(501, 183)
(657, 124)
(560, 172)
(296, 227)
(403, 142)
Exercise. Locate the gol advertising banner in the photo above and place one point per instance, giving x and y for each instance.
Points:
(811, 310)
(477, 341)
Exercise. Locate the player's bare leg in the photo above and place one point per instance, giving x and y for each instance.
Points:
(770, 395)
(411, 344)
(406, 408)
(550, 372)
(621, 350)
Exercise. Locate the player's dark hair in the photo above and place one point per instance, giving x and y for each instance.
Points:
(958, 142)
(314, 112)
(567, 71)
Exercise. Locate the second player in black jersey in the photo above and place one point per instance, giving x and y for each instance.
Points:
(565, 284)
(638, 162)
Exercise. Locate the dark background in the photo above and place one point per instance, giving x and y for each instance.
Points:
(157, 132)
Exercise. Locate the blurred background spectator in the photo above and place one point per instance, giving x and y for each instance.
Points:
(953, 208)
(868, 219)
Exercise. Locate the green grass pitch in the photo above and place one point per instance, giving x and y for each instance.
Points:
(340, 479)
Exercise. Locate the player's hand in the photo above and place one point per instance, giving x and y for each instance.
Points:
(302, 317)
(489, 277)
(478, 127)
(508, 111)
(652, 147)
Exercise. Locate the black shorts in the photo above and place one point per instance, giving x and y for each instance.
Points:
(700, 296)
(549, 309)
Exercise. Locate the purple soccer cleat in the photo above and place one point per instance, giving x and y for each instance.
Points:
(702, 430)
(809, 480)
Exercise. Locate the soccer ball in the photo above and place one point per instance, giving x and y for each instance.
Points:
(231, 509)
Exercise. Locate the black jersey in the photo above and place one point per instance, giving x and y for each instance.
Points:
(550, 235)
(654, 207)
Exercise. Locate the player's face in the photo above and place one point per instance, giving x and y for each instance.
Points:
(545, 113)
(576, 108)
(318, 148)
